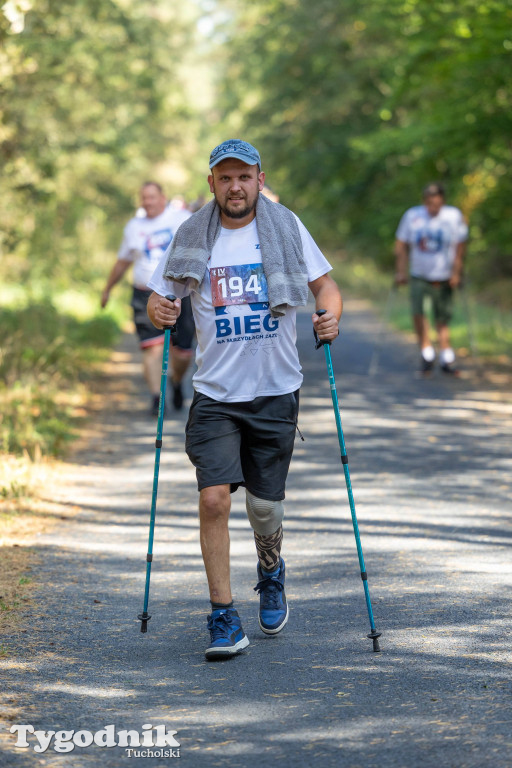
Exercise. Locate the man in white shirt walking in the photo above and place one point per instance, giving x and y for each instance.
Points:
(145, 239)
(246, 263)
(433, 238)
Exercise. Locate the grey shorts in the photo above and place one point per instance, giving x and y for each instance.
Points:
(440, 294)
(249, 444)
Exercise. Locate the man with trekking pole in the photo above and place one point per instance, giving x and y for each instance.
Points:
(145, 239)
(247, 264)
(432, 237)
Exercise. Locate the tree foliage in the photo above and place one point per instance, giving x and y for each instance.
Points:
(356, 104)
(91, 102)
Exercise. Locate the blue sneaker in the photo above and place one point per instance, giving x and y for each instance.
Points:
(227, 637)
(273, 605)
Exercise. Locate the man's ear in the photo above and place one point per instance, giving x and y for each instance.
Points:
(210, 182)
(261, 180)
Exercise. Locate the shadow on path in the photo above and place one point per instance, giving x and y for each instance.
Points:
(431, 470)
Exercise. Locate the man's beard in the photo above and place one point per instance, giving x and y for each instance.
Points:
(240, 214)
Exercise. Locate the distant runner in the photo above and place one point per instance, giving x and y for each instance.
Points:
(434, 236)
(246, 263)
(145, 239)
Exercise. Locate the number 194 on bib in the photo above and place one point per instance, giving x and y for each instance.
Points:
(241, 284)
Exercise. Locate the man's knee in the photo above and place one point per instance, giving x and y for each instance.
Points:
(215, 502)
(153, 352)
(182, 354)
(264, 516)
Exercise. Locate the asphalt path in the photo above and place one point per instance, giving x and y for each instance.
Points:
(431, 465)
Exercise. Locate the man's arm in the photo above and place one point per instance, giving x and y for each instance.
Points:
(458, 265)
(402, 262)
(116, 274)
(328, 297)
(163, 312)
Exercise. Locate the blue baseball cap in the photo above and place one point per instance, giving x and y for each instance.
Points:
(238, 149)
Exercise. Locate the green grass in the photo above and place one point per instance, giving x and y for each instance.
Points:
(476, 322)
(49, 350)
(13, 489)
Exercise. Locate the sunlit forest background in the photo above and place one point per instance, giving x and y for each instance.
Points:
(353, 104)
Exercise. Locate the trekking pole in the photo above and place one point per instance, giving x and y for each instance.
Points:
(374, 635)
(374, 362)
(469, 323)
(144, 617)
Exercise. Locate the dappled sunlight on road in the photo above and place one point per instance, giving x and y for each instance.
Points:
(430, 470)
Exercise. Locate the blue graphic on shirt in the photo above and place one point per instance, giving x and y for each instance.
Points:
(157, 243)
(429, 240)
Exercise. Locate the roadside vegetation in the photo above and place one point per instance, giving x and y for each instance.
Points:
(47, 356)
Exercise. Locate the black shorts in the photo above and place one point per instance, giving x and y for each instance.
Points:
(249, 444)
(149, 335)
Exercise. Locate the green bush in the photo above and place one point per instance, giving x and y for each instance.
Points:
(45, 357)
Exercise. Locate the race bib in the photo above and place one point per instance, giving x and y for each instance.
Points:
(242, 284)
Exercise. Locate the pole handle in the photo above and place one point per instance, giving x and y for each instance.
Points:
(171, 328)
(318, 342)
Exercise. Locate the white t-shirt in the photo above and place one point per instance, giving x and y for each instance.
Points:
(145, 241)
(432, 240)
(242, 351)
